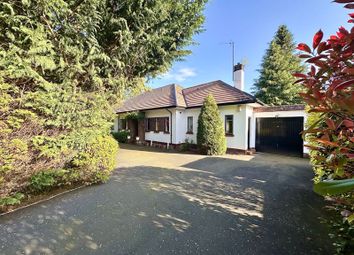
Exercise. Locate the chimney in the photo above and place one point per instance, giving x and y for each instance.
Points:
(239, 76)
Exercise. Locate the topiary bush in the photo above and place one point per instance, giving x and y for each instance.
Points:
(210, 134)
(121, 136)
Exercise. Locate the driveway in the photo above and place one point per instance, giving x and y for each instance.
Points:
(171, 203)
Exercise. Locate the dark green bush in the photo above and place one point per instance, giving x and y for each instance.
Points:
(121, 136)
(210, 135)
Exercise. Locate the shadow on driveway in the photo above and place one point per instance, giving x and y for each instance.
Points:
(211, 205)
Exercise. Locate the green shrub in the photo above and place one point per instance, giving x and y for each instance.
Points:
(210, 135)
(96, 162)
(45, 180)
(312, 119)
(12, 200)
(121, 136)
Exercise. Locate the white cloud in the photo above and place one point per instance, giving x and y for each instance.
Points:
(180, 75)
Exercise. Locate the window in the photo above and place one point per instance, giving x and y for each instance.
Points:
(157, 124)
(151, 124)
(167, 125)
(190, 125)
(122, 124)
(229, 124)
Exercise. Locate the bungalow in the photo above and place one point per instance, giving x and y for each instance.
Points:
(170, 118)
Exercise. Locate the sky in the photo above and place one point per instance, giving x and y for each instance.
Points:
(251, 25)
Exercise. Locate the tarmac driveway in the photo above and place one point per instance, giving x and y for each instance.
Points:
(171, 203)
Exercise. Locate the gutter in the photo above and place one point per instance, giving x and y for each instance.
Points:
(146, 109)
(170, 125)
(260, 102)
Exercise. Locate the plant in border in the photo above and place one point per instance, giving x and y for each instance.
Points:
(121, 136)
(210, 134)
(329, 94)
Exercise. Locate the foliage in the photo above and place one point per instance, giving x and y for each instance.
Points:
(314, 118)
(96, 161)
(121, 136)
(64, 65)
(275, 85)
(343, 239)
(329, 93)
(45, 180)
(42, 180)
(133, 116)
(12, 200)
(334, 187)
(210, 134)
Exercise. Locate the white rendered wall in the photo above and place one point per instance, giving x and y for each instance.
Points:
(279, 114)
(238, 141)
(179, 124)
(115, 126)
(249, 114)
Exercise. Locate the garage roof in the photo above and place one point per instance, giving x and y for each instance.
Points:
(294, 107)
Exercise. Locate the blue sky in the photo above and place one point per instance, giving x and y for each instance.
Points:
(251, 25)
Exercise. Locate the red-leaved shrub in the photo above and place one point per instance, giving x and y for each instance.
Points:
(329, 93)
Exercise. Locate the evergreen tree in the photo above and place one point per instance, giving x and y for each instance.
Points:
(63, 66)
(210, 135)
(275, 85)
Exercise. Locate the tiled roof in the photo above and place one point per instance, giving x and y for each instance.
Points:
(221, 91)
(157, 98)
(175, 96)
(294, 107)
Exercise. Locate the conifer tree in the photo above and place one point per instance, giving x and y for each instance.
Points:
(63, 66)
(210, 134)
(275, 85)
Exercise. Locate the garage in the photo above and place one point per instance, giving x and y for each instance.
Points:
(280, 135)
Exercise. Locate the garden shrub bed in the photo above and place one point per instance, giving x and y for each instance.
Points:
(64, 67)
(92, 164)
(329, 93)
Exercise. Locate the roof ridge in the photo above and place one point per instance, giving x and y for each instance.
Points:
(202, 84)
(175, 93)
(176, 96)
